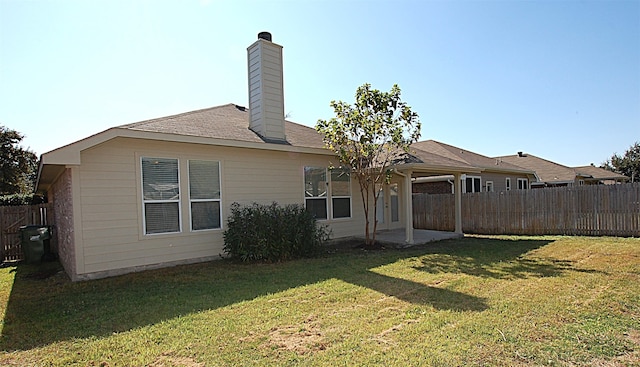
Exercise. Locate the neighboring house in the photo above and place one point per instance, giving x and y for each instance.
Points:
(599, 176)
(157, 193)
(493, 175)
(551, 174)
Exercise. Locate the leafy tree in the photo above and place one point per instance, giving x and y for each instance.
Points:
(367, 136)
(18, 166)
(628, 164)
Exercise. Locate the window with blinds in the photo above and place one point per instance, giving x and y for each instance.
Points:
(320, 187)
(161, 195)
(204, 194)
(341, 193)
(315, 191)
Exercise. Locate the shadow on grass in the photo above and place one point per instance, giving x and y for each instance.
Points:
(43, 311)
(492, 258)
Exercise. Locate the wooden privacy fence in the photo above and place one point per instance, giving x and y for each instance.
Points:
(593, 210)
(14, 217)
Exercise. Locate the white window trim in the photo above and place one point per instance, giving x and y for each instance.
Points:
(204, 200)
(326, 197)
(472, 179)
(489, 185)
(526, 181)
(144, 201)
(397, 195)
(329, 195)
(339, 197)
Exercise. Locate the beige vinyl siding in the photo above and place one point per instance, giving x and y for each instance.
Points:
(111, 230)
(255, 89)
(266, 96)
(499, 180)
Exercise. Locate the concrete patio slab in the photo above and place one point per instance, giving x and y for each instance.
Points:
(396, 237)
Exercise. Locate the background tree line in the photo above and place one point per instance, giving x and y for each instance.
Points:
(18, 170)
(627, 164)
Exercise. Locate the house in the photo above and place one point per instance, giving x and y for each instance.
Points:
(551, 174)
(593, 175)
(157, 193)
(494, 175)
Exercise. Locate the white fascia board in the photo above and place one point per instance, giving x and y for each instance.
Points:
(508, 170)
(418, 168)
(70, 154)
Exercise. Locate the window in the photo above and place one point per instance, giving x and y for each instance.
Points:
(160, 195)
(315, 191)
(508, 183)
(341, 193)
(395, 206)
(316, 195)
(580, 182)
(523, 184)
(204, 194)
(472, 184)
(489, 186)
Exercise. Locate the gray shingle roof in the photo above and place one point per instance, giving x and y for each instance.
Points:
(550, 172)
(599, 173)
(465, 156)
(229, 122)
(547, 171)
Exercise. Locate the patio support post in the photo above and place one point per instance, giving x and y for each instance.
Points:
(457, 191)
(408, 208)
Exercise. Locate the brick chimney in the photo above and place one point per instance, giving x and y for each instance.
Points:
(266, 89)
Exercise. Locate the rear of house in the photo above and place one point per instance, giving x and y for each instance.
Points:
(158, 192)
(136, 203)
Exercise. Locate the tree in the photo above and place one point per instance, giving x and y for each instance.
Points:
(18, 166)
(366, 137)
(628, 164)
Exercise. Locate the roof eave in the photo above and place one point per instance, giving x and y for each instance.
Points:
(70, 154)
(431, 168)
(509, 170)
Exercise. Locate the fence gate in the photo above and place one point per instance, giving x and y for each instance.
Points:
(14, 217)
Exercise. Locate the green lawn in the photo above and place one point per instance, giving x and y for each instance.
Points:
(502, 301)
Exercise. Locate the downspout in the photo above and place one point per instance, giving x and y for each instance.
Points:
(408, 205)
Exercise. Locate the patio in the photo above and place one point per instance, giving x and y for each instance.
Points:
(397, 237)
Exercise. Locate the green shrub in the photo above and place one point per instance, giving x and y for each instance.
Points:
(22, 199)
(272, 233)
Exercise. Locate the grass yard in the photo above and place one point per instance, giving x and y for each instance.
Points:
(489, 301)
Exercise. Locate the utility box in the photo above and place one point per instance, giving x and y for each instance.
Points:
(35, 242)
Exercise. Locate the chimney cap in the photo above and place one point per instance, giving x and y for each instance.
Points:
(265, 36)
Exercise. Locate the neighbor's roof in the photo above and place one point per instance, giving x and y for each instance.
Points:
(547, 171)
(436, 148)
(599, 173)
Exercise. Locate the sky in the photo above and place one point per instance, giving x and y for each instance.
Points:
(556, 79)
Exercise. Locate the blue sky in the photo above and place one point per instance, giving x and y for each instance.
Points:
(557, 79)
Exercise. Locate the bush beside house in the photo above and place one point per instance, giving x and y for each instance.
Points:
(272, 233)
